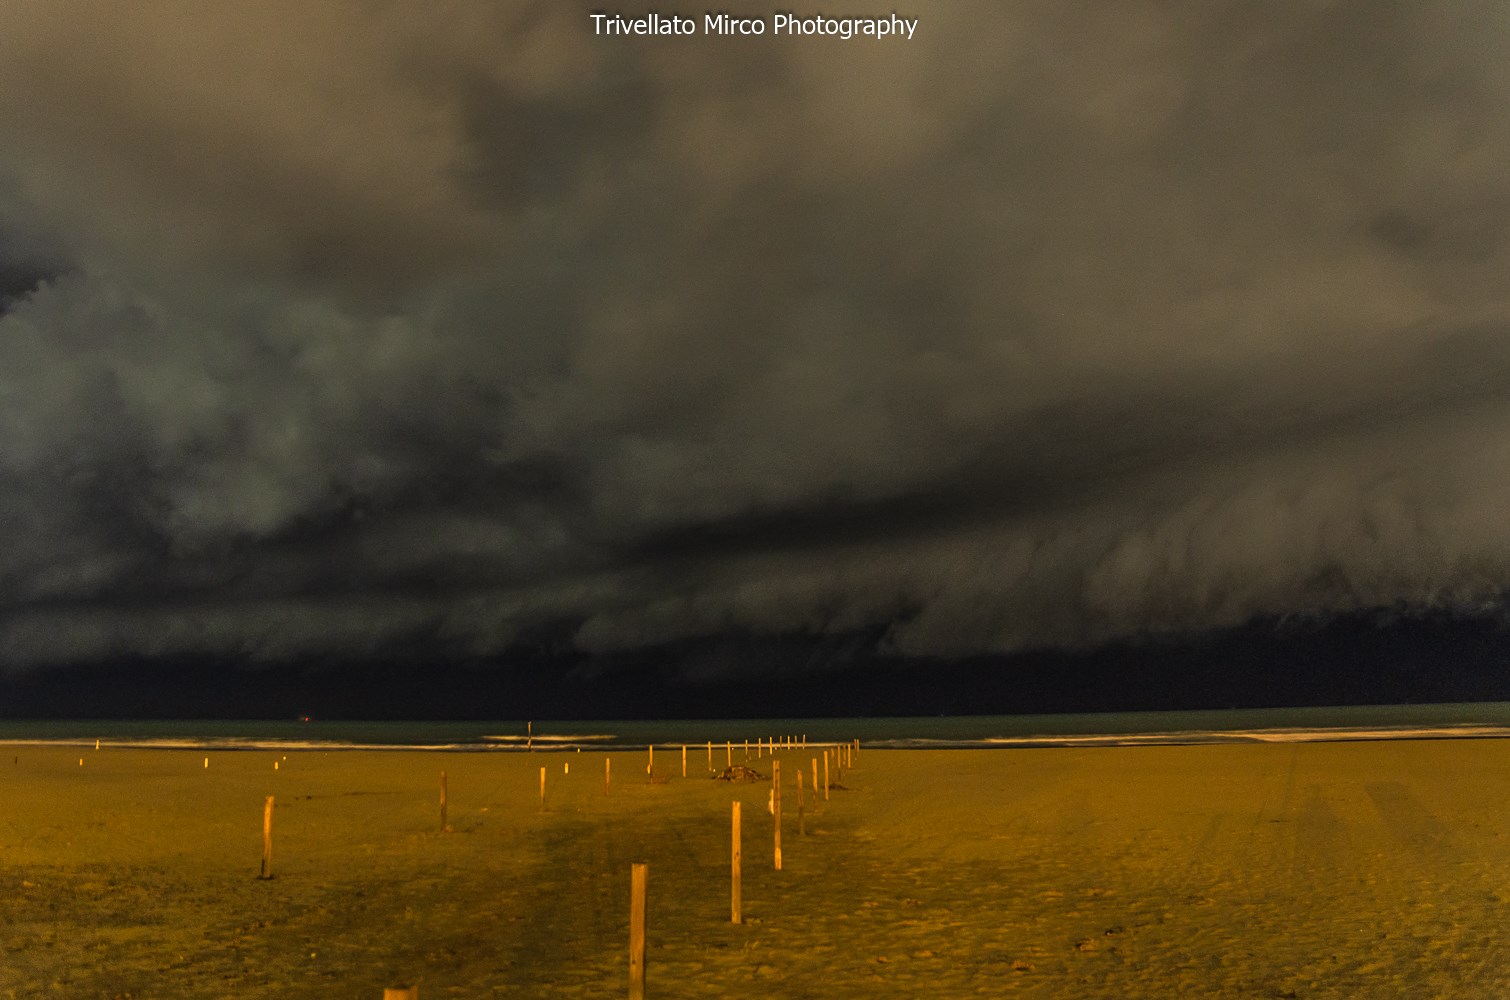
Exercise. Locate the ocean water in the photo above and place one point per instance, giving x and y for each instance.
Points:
(1480, 720)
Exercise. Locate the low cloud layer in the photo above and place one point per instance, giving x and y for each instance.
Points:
(330, 331)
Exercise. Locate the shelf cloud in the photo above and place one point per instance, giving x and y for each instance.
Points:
(326, 330)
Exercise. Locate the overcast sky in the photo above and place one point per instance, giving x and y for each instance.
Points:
(328, 326)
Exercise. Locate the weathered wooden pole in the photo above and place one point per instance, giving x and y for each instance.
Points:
(638, 875)
(401, 993)
(542, 789)
(444, 826)
(801, 807)
(607, 773)
(267, 838)
(776, 806)
(710, 755)
(735, 900)
(747, 749)
(529, 736)
(815, 786)
(825, 776)
(650, 759)
(729, 753)
(684, 760)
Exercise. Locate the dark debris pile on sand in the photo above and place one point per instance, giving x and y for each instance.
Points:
(739, 772)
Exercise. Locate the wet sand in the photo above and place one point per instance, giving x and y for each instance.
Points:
(1305, 870)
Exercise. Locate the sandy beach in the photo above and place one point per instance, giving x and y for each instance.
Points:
(1305, 870)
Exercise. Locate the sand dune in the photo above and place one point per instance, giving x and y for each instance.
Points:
(1291, 870)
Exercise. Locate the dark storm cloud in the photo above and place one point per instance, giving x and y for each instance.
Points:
(440, 324)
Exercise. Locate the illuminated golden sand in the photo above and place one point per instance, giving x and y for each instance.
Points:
(1313, 870)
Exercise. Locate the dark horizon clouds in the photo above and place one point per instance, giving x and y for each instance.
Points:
(327, 329)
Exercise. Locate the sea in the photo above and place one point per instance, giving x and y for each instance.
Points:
(1477, 720)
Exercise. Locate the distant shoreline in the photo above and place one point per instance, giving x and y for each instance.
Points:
(576, 743)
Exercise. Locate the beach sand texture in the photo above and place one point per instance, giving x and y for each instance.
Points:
(1305, 870)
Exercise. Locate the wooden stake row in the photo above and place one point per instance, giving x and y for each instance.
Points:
(847, 750)
(639, 872)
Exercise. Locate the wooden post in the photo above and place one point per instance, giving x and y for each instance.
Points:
(735, 902)
(650, 759)
(710, 755)
(267, 838)
(801, 807)
(747, 749)
(607, 773)
(401, 993)
(637, 879)
(856, 753)
(815, 786)
(542, 789)
(444, 826)
(684, 760)
(729, 753)
(529, 736)
(776, 806)
(825, 776)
